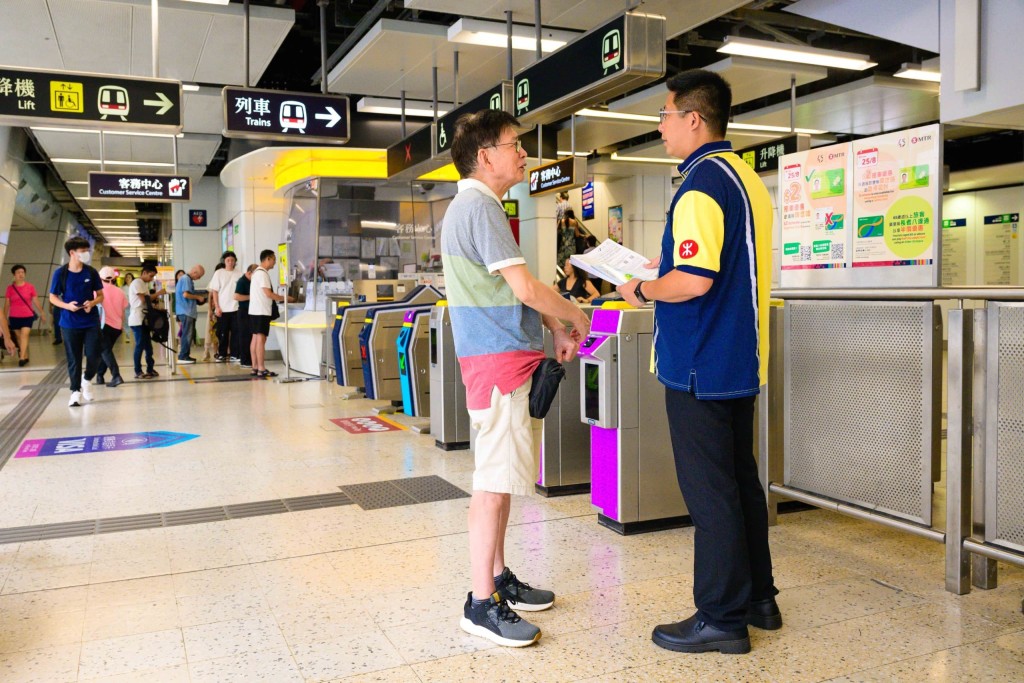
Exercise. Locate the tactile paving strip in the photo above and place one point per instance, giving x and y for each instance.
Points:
(395, 492)
(377, 494)
(155, 520)
(430, 489)
(15, 425)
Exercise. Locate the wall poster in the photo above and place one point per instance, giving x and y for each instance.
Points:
(814, 206)
(615, 223)
(863, 214)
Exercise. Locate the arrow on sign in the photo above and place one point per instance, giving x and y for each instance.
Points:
(162, 102)
(332, 117)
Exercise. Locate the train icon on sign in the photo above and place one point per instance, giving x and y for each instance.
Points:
(522, 96)
(112, 101)
(293, 115)
(611, 50)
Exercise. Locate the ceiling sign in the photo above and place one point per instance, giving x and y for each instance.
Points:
(612, 59)
(406, 157)
(147, 187)
(764, 158)
(558, 175)
(97, 101)
(498, 97)
(280, 115)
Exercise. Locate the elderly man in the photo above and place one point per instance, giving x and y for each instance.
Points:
(186, 303)
(497, 309)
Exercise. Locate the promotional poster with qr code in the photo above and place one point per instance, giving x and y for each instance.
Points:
(814, 206)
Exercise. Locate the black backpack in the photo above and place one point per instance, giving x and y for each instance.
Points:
(158, 324)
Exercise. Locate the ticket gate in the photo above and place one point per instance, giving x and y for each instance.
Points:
(565, 443)
(378, 349)
(349, 323)
(413, 348)
(633, 476)
(449, 419)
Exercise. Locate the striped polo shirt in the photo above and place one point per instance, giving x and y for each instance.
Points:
(497, 338)
(719, 227)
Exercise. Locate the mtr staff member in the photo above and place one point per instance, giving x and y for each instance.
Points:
(711, 353)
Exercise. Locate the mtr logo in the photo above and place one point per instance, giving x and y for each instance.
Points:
(688, 249)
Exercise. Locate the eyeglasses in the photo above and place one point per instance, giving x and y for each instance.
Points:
(663, 113)
(517, 143)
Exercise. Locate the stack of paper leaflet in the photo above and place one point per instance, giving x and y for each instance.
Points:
(614, 263)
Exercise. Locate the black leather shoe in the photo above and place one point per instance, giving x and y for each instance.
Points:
(115, 382)
(693, 635)
(765, 614)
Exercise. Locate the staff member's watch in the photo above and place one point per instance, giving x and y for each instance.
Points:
(639, 294)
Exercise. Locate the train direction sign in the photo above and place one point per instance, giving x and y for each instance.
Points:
(98, 101)
(279, 115)
(145, 187)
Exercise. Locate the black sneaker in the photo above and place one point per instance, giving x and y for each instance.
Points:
(495, 621)
(523, 596)
(186, 361)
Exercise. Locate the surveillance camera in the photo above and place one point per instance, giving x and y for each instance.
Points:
(427, 187)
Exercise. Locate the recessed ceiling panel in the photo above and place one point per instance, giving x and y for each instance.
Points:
(400, 55)
(749, 79)
(585, 14)
(203, 112)
(81, 24)
(599, 133)
(34, 40)
(866, 107)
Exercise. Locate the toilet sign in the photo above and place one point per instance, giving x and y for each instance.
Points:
(100, 443)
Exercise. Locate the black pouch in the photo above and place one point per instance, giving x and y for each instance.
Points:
(546, 378)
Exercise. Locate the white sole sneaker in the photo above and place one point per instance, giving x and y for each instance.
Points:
(471, 628)
(526, 607)
(76, 399)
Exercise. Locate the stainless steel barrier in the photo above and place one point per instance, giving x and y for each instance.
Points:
(849, 420)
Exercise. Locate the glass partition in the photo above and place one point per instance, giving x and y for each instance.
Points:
(341, 232)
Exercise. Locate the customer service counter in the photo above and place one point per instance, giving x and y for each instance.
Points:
(304, 348)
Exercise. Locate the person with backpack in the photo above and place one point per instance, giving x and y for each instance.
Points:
(139, 298)
(186, 302)
(77, 290)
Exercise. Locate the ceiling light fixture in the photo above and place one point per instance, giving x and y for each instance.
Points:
(918, 72)
(766, 49)
(495, 34)
(387, 105)
(733, 126)
(646, 160)
(210, 2)
(190, 87)
(108, 162)
(112, 210)
(117, 220)
(94, 131)
(567, 153)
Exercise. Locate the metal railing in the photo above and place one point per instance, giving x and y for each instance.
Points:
(970, 556)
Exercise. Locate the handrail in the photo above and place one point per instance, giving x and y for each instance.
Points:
(909, 294)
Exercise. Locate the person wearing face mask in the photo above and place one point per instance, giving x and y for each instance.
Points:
(76, 289)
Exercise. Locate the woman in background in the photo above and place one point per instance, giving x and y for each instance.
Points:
(575, 284)
(21, 310)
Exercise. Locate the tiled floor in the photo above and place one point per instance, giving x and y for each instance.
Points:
(374, 595)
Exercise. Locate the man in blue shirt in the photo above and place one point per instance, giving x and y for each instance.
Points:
(186, 302)
(711, 353)
(76, 289)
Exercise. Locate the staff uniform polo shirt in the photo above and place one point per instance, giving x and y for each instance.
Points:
(719, 227)
(498, 339)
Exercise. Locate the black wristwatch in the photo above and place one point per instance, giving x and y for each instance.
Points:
(638, 293)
